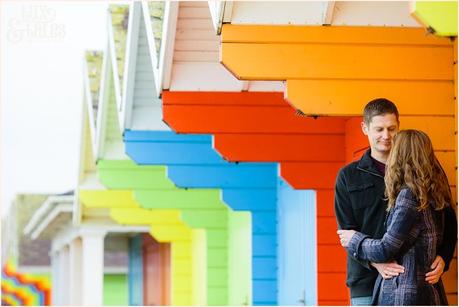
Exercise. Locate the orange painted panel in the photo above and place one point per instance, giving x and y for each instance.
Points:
(343, 61)
(325, 202)
(337, 34)
(448, 161)
(332, 258)
(280, 147)
(307, 175)
(156, 272)
(439, 128)
(331, 286)
(326, 231)
(349, 97)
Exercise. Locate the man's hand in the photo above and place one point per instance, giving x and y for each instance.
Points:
(389, 269)
(437, 267)
(345, 236)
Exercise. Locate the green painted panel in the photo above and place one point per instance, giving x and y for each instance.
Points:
(125, 174)
(240, 260)
(115, 290)
(180, 198)
(441, 16)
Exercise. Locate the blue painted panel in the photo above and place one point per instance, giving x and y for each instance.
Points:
(193, 163)
(251, 199)
(264, 268)
(265, 292)
(264, 245)
(264, 222)
(297, 246)
(171, 153)
(224, 175)
(135, 271)
(166, 136)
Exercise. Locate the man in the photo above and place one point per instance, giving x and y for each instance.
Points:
(360, 203)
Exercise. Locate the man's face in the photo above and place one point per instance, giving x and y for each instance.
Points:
(380, 132)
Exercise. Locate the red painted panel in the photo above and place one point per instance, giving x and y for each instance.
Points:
(156, 272)
(246, 119)
(326, 231)
(223, 98)
(310, 175)
(356, 141)
(281, 147)
(331, 287)
(332, 259)
(325, 201)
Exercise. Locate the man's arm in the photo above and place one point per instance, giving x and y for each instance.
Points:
(446, 250)
(343, 210)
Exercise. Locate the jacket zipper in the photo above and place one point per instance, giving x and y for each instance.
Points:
(367, 171)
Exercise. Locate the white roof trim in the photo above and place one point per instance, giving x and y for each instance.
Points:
(130, 64)
(54, 213)
(44, 209)
(103, 100)
(112, 52)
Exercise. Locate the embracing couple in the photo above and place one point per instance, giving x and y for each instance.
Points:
(395, 216)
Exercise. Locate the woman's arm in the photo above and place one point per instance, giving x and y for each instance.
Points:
(404, 216)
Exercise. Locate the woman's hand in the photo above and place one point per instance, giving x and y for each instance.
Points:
(345, 236)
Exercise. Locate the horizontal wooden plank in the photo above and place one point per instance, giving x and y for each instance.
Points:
(193, 4)
(197, 45)
(326, 231)
(349, 97)
(280, 147)
(452, 299)
(310, 175)
(332, 286)
(223, 98)
(194, 12)
(325, 61)
(326, 302)
(448, 160)
(440, 129)
(325, 202)
(190, 23)
(196, 56)
(335, 34)
(196, 34)
(331, 258)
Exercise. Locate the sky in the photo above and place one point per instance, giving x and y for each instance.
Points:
(41, 81)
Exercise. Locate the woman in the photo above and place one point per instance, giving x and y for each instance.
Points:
(417, 190)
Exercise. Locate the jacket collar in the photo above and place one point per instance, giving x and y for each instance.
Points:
(366, 163)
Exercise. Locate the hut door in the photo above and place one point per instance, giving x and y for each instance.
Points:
(156, 275)
(297, 246)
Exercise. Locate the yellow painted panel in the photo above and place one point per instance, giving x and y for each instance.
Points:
(448, 161)
(336, 34)
(108, 199)
(439, 129)
(317, 61)
(140, 216)
(348, 97)
(441, 16)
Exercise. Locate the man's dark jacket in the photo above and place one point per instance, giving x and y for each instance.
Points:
(360, 205)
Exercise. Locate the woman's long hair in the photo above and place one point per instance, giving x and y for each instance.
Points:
(412, 163)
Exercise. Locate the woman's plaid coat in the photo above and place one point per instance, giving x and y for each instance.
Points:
(412, 239)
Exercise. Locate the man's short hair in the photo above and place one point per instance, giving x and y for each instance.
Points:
(379, 106)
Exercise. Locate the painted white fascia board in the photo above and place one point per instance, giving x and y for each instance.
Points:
(44, 209)
(57, 209)
(220, 12)
(112, 52)
(151, 43)
(227, 13)
(132, 39)
(328, 13)
(167, 49)
(72, 232)
(88, 102)
(102, 106)
(162, 72)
